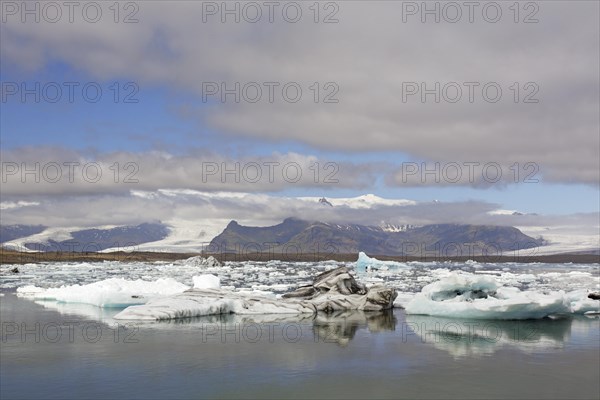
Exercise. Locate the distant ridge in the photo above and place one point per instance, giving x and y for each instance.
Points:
(86, 240)
(437, 240)
(12, 232)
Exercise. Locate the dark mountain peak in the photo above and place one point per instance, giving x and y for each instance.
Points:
(292, 224)
(290, 220)
(323, 201)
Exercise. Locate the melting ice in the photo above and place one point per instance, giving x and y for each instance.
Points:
(461, 289)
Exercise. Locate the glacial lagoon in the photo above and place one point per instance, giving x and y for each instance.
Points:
(64, 350)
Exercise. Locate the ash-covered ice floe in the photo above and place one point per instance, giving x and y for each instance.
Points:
(463, 295)
(334, 290)
(199, 261)
(337, 290)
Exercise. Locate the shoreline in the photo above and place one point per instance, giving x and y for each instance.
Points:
(15, 257)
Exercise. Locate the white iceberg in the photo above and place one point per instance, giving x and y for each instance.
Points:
(366, 263)
(207, 281)
(403, 298)
(462, 295)
(578, 302)
(108, 293)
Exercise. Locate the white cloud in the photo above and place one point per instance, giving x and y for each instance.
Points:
(369, 54)
(200, 208)
(45, 171)
(9, 205)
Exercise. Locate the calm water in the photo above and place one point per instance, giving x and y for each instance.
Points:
(80, 353)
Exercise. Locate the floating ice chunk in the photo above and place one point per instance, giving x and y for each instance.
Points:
(109, 293)
(334, 290)
(366, 263)
(402, 299)
(464, 286)
(199, 261)
(480, 297)
(207, 281)
(197, 303)
(87, 311)
(29, 290)
(578, 302)
(255, 292)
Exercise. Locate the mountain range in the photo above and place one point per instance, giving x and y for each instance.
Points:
(298, 236)
(292, 236)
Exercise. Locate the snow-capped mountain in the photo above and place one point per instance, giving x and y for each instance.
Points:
(364, 201)
(193, 231)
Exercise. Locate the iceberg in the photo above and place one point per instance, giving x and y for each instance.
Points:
(108, 293)
(199, 261)
(202, 302)
(331, 291)
(580, 302)
(463, 295)
(402, 299)
(366, 263)
(207, 281)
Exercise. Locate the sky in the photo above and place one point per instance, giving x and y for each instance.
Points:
(160, 110)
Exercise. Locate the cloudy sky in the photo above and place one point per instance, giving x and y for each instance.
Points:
(184, 110)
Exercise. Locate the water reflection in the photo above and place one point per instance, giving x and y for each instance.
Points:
(457, 337)
(86, 311)
(383, 357)
(467, 337)
(341, 327)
